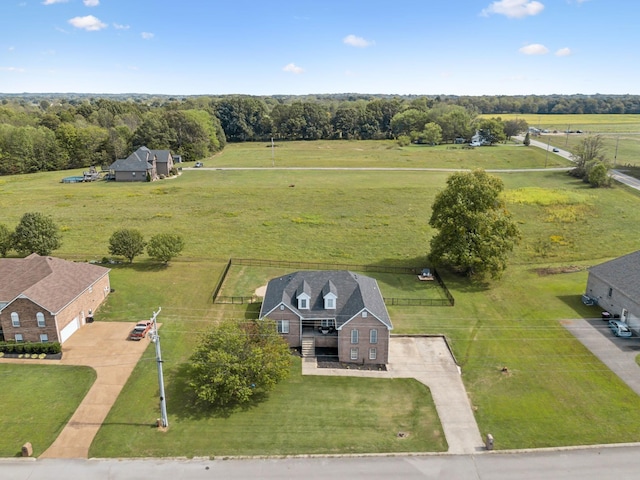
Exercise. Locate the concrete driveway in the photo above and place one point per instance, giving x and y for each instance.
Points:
(105, 348)
(619, 354)
(428, 360)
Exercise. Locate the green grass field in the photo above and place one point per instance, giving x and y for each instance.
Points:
(37, 402)
(362, 217)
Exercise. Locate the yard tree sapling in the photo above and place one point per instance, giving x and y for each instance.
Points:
(587, 155)
(127, 242)
(36, 233)
(165, 246)
(236, 361)
(527, 140)
(475, 231)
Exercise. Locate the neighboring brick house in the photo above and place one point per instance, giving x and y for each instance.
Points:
(47, 299)
(334, 309)
(141, 165)
(615, 285)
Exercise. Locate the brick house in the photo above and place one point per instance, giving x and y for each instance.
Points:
(334, 310)
(615, 285)
(47, 299)
(142, 164)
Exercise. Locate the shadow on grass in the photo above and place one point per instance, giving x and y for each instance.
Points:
(583, 311)
(140, 267)
(185, 405)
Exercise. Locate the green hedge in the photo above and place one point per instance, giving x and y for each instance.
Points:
(14, 347)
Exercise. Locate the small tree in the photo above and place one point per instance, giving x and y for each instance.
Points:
(127, 242)
(5, 240)
(36, 233)
(475, 231)
(598, 175)
(165, 246)
(527, 140)
(235, 361)
(585, 153)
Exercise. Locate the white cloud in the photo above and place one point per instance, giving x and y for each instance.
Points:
(119, 26)
(514, 8)
(12, 69)
(355, 41)
(91, 3)
(534, 49)
(147, 35)
(51, 2)
(293, 68)
(564, 52)
(11, 48)
(89, 23)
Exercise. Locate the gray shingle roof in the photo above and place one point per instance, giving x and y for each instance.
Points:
(140, 160)
(622, 273)
(48, 281)
(355, 293)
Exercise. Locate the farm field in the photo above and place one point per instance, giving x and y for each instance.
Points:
(621, 134)
(362, 217)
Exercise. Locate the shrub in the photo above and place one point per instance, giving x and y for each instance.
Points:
(30, 348)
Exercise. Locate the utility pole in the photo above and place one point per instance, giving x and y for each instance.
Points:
(273, 154)
(547, 156)
(615, 156)
(156, 339)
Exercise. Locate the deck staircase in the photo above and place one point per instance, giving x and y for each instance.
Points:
(308, 346)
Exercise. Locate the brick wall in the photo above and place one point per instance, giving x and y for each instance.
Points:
(364, 326)
(293, 337)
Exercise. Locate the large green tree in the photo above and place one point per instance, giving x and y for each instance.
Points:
(587, 154)
(475, 230)
(127, 242)
(36, 233)
(235, 361)
(165, 246)
(5, 240)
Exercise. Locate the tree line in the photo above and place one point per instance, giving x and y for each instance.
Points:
(48, 132)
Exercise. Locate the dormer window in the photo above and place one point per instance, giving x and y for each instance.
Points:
(303, 303)
(303, 296)
(329, 294)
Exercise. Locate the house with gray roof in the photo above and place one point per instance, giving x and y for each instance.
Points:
(142, 165)
(615, 285)
(335, 311)
(47, 299)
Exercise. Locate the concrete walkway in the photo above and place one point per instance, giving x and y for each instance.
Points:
(619, 354)
(428, 360)
(105, 348)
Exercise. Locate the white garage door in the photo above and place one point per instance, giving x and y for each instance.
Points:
(633, 322)
(69, 330)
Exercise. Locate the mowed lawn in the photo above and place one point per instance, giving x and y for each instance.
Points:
(362, 217)
(37, 402)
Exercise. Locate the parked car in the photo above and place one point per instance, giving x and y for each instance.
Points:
(140, 330)
(199, 164)
(556, 150)
(619, 328)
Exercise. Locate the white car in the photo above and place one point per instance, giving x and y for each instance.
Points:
(619, 328)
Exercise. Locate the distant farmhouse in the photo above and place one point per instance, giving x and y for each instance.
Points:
(615, 287)
(143, 165)
(47, 299)
(331, 311)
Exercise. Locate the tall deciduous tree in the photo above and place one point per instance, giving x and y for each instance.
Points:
(236, 361)
(586, 154)
(165, 246)
(515, 127)
(5, 240)
(475, 231)
(36, 233)
(126, 242)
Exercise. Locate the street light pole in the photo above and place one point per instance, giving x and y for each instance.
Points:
(163, 402)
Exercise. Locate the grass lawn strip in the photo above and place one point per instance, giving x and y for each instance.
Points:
(37, 401)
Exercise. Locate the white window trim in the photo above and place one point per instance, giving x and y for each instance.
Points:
(373, 335)
(41, 320)
(20, 339)
(283, 326)
(15, 319)
(373, 353)
(364, 314)
(354, 336)
(354, 353)
(44, 338)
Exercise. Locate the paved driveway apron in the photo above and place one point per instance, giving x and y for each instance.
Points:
(105, 348)
(428, 360)
(619, 354)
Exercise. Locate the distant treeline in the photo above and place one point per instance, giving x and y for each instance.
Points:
(55, 132)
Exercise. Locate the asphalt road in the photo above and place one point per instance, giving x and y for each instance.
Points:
(598, 463)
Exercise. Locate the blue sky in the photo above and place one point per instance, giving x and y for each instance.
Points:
(258, 47)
